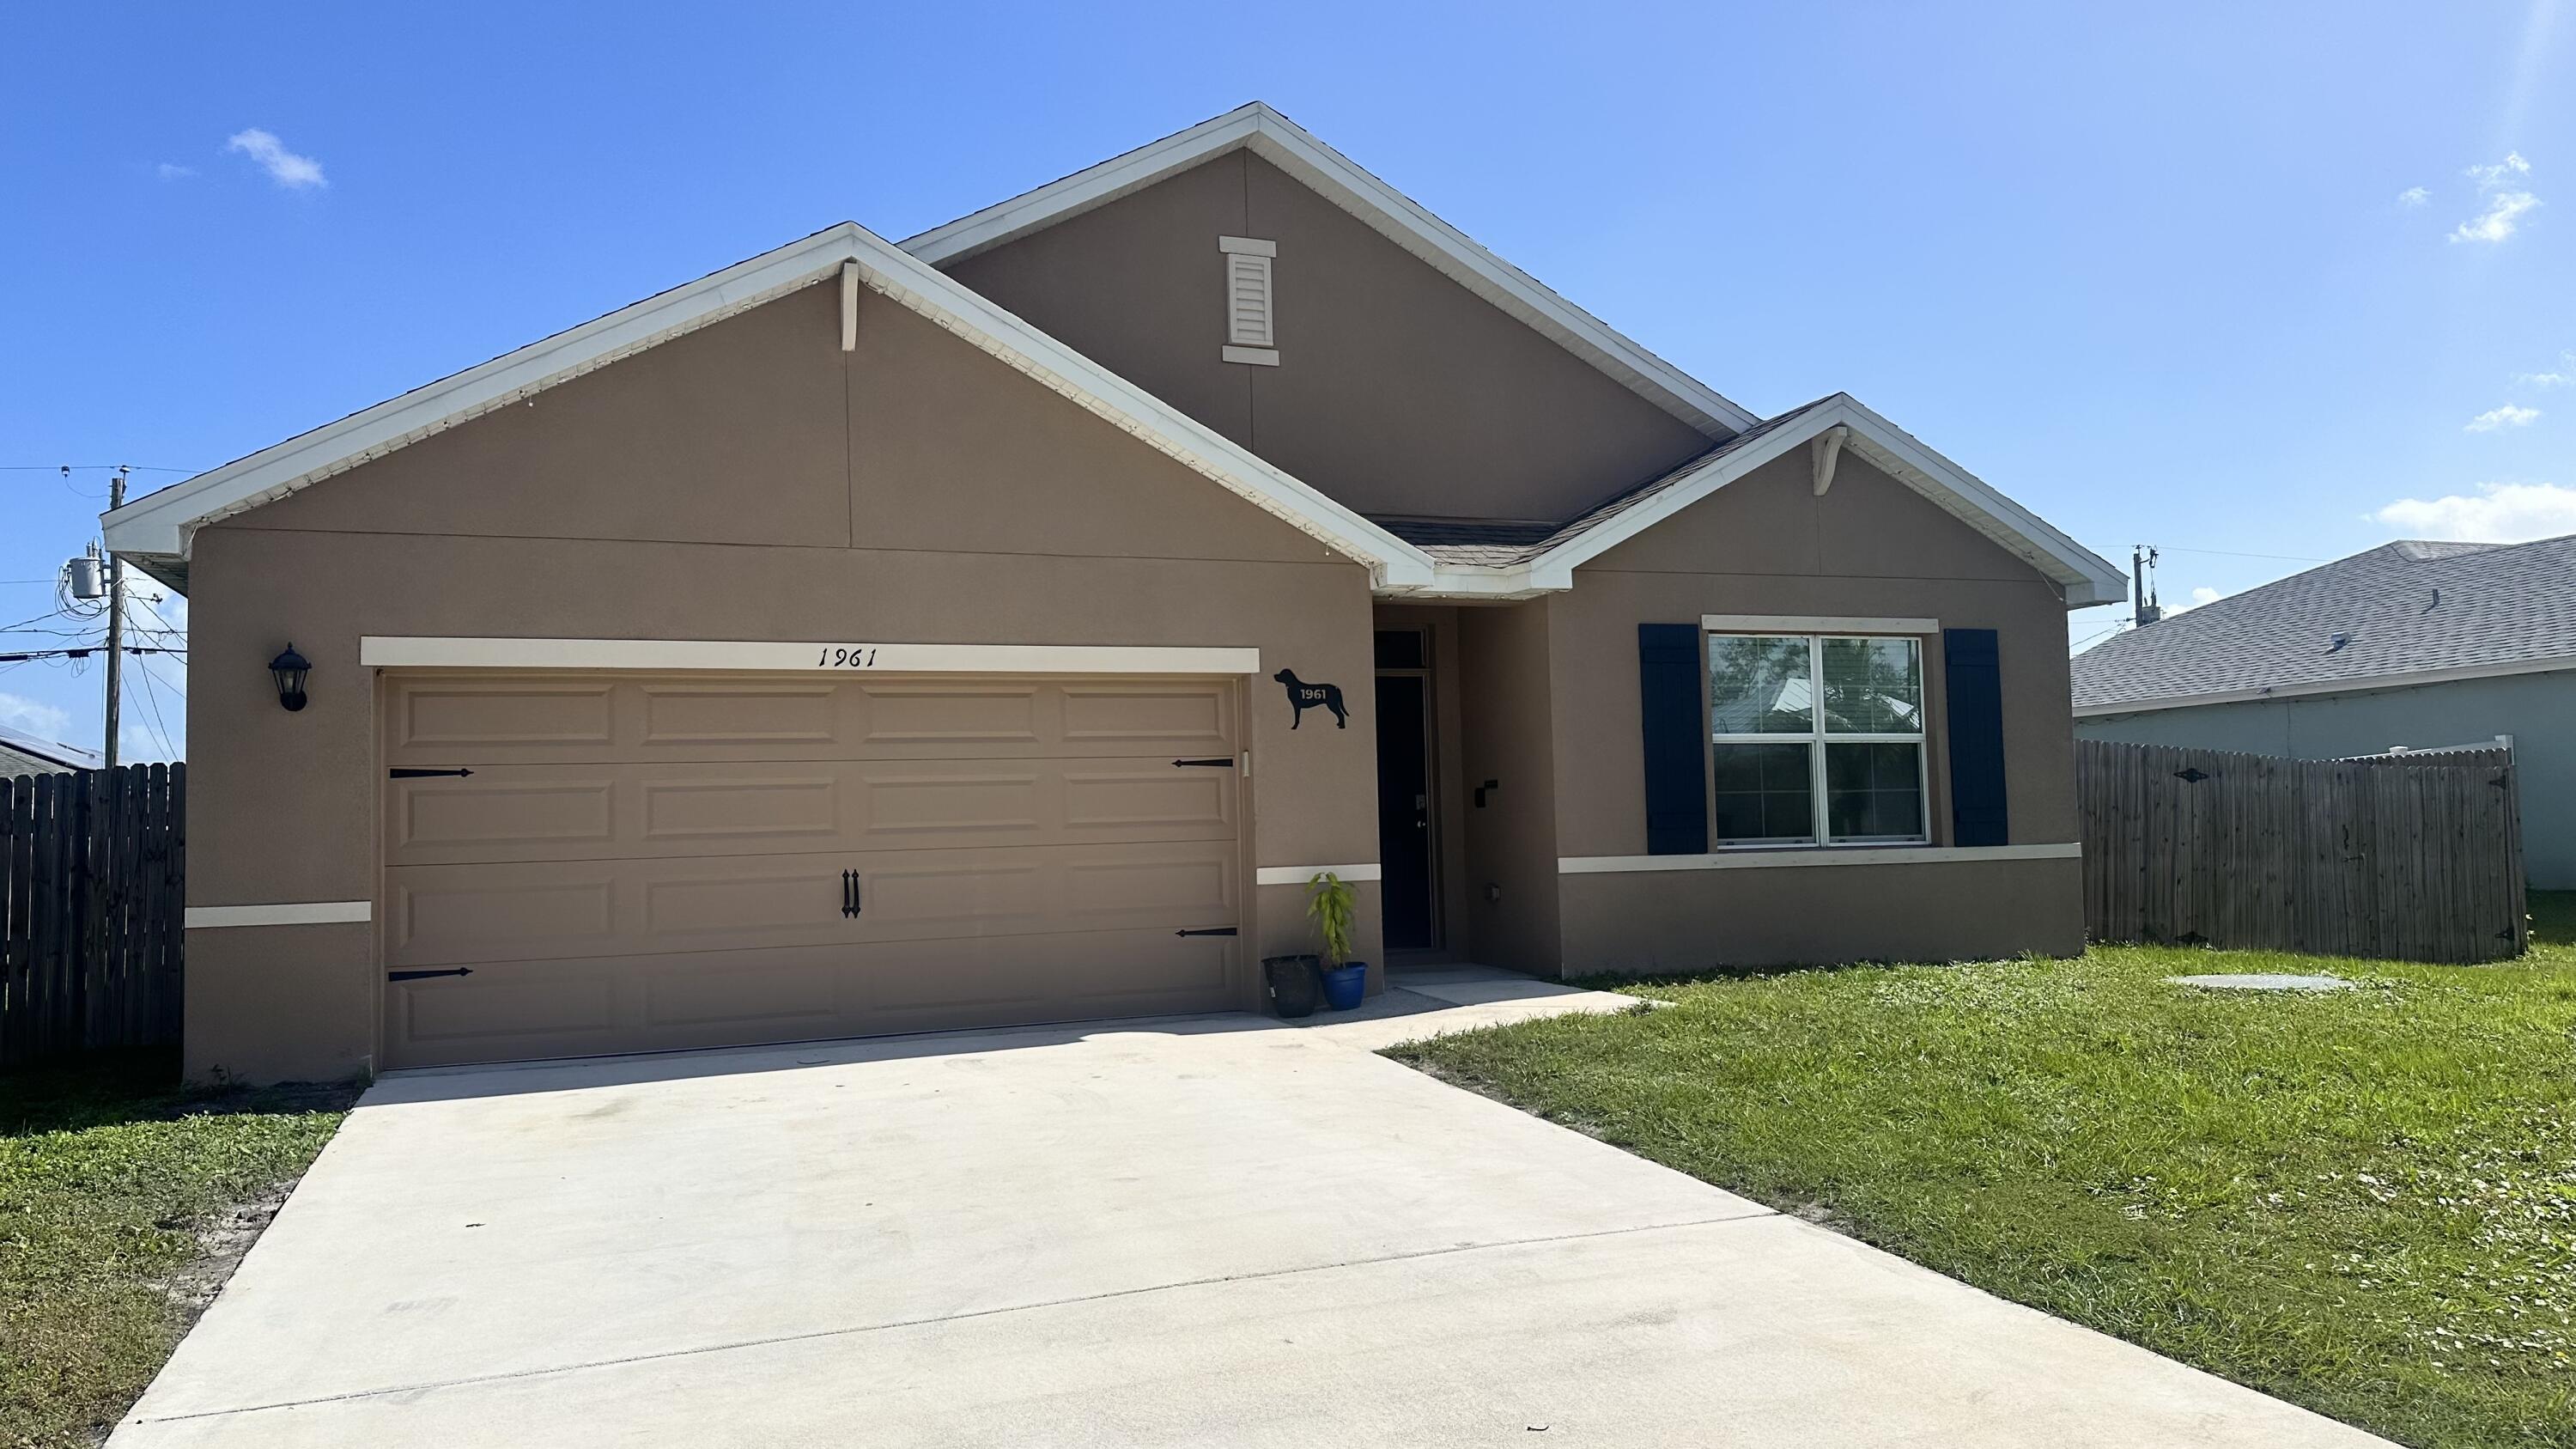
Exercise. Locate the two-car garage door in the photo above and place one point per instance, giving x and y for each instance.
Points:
(587, 863)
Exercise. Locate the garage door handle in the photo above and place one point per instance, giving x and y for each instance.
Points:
(1221, 762)
(425, 975)
(1210, 931)
(849, 893)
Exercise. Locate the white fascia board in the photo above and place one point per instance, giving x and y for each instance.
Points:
(164, 524)
(1389, 212)
(2372, 684)
(2086, 577)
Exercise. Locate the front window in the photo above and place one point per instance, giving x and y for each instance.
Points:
(1816, 739)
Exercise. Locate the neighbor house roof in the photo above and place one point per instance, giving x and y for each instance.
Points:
(157, 531)
(1285, 144)
(2403, 613)
(26, 754)
(1517, 557)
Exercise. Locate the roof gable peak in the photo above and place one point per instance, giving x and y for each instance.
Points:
(1263, 130)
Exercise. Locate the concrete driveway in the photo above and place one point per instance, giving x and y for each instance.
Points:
(1213, 1231)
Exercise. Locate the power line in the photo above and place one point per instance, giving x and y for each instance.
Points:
(24, 656)
(2231, 553)
(89, 468)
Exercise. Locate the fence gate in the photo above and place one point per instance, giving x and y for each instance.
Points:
(92, 872)
(2414, 856)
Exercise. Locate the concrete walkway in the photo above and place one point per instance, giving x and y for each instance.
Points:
(1214, 1231)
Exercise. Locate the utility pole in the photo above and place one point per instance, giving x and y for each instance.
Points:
(115, 625)
(2142, 563)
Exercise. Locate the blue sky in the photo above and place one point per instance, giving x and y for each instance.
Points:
(2282, 280)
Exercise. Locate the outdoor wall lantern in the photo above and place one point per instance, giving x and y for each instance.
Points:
(289, 669)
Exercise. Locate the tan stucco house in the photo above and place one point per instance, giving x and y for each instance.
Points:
(1002, 625)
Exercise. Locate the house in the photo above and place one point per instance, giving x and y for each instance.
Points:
(25, 754)
(2410, 645)
(1004, 625)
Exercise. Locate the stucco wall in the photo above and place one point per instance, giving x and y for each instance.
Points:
(748, 481)
(2538, 710)
(1507, 736)
(1397, 390)
(1870, 547)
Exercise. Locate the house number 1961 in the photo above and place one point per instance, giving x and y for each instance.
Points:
(847, 656)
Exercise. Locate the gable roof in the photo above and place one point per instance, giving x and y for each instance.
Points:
(1283, 143)
(2412, 612)
(1514, 558)
(157, 531)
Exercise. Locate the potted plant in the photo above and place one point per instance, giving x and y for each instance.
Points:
(1331, 905)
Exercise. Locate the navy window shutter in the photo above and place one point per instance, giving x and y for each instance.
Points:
(1976, 724)
(1668, 675)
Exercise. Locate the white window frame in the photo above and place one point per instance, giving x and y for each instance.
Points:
(1816, 738)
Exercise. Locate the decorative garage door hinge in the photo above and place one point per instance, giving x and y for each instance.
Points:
(423, 774)
(1210, 931)
(420, 975)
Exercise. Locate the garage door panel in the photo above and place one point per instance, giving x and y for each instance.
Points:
(1140, 717)
(445, 719)
(480, 716)
(766, 716)
(634, 862)
(522, 1009)
(449, 915)
(505, 813)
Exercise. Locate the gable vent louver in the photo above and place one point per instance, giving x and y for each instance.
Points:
(1250, 303)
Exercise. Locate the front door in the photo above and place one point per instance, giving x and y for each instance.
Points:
(1404, 799)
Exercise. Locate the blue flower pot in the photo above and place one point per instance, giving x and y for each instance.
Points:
(1345, 985)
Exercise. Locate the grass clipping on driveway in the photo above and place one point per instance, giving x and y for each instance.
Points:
(123, 1204)
(2363, 1202)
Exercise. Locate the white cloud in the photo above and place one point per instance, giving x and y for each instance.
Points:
(2560, 376)
(2504, 208)
(2489, 178)
(2507, 416)
(283, 166)
(2204, 595)
(26, 715)
(171, 171)
(2413, 196)
(2497, 222)
(2496, 513)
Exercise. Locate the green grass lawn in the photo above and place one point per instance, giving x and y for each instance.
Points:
(123, 1201)
(2364, 1202)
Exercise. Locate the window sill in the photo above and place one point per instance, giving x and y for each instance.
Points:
(1815, 855)
(1257, 356)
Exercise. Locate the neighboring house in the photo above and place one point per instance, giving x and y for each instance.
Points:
(1002, 627)
(2411, 644)
(26, 754)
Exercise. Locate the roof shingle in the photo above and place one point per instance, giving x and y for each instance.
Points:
(2401, 608)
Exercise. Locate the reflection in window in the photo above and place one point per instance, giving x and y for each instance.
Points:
(1816, 739)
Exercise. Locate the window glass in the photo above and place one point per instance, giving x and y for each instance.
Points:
(1759, 684)
(1874, 791)
(1399, 649)
(1765, 793)
(1873, 686)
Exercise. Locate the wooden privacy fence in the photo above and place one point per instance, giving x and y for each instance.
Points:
(92, 866)
(2414, 857)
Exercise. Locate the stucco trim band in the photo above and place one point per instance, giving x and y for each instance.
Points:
(1300, 874)
(292, 913)
(828, 656)
(1813, 624)
(1893, 855)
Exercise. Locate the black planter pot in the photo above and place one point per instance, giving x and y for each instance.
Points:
(1294, 986)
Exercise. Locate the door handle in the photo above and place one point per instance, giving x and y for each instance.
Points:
(849, 893)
